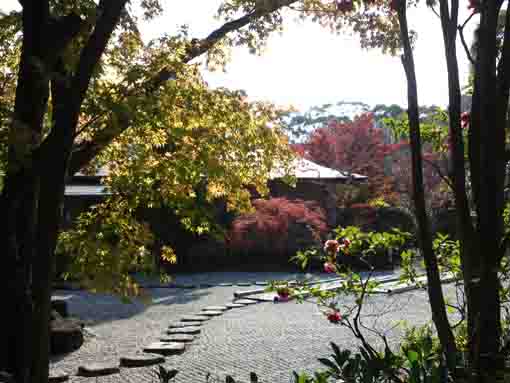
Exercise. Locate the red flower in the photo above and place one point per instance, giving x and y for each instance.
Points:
(334, 317)
(283, 293)
(464, 120)
(331, 246)
(329, 267)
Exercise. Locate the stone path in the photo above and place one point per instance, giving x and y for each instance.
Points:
(269, 339)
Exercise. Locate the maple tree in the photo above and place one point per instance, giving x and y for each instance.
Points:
(268, 226)
(358, 146)
(75, 79)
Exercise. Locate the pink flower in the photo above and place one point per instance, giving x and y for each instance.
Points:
(331, 246)
(334, 317)
(346, 242)
(474, 5)
(283, 293)
(329, 267)
(464, 120)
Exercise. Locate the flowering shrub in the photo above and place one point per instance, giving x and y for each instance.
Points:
(268, 227)
(417, 359)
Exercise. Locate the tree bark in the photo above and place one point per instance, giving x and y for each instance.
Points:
(434, 288)
(19, 200)
(34, 186)
(491, 113)
(468, 238)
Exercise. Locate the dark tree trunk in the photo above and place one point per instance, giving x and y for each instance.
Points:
(19, 200)
(468, 238)
(491, 109)
(34, 185)
(435, 292)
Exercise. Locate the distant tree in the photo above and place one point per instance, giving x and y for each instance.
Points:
(360, 147)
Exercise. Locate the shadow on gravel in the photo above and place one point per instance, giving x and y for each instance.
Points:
(95, 309)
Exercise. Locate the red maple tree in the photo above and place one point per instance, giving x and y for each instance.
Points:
(360, 147)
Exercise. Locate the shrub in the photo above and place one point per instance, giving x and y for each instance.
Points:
(278, 225)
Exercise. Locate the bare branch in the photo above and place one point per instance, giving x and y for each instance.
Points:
(463, 40)
(440, 172)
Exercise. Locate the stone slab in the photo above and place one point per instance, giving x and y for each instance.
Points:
(246, 301)
(261, 283)
(194, 318)
(234, 305)
(58, 376)
(211, 313)
(141, 360)
(165, 348)
(178, 338)
(185, 286)
(215, 308)
(245, 284)
(184, 330)
(184, 324)
(225, 284)
(98, 369)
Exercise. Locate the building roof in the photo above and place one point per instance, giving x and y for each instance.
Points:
(303, 169)
(85, 191)
(306, 169)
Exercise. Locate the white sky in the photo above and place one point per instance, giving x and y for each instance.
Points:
(307, 65)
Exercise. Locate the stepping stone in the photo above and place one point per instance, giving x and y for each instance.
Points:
(246, 301)
(211, 313)
(98, 369)
(184, 324)
(234, 305)
(165, 348)
(141, 360)
(178, 338)
(244, 284)
(261, 283)
(224, 284)
(215, 308)
(194, 318)
(186, 286)
(58, 376)
(184, 330)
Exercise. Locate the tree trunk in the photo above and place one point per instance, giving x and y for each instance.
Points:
(20, 196)
(435, 291)
(468, 238)
(492, 116)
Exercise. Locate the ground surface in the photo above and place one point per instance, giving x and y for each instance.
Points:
(269, 339)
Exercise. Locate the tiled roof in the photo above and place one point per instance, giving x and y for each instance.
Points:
(85, 190)
(306, 169)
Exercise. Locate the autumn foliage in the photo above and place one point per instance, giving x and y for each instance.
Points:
(361, 147)
(272, 223)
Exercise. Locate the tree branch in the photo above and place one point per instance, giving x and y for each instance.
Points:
(110, 15)
(60, 33)
(439, 171)
(207, 43)
(84, 153)
(463, 40)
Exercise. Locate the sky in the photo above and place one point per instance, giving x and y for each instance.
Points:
(307, 65)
